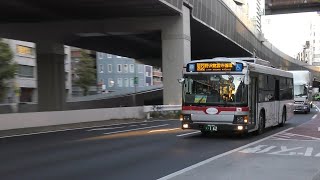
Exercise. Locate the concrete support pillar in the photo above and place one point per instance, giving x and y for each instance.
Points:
(176, 51)
(51, 76)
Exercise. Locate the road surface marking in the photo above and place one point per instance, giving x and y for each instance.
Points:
(283, 136)
(306, 140)
(217, 157)
(196, 132)
(317, 108)
(108, 128)
(135, 129)
(279, 150)
(308, 151)
(307, 136)
(314, 116)
(318, 128)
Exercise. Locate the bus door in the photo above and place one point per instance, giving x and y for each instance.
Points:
(253, 91)
(277, 110)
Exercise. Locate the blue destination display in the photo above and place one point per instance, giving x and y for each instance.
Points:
(214, 67)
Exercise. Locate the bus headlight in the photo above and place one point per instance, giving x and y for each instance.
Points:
(240, 120)
(185, 126)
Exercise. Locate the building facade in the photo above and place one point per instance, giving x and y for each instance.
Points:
(117, 73)
(255, 10)
(315, 40)
(305, 54)
(23, 88)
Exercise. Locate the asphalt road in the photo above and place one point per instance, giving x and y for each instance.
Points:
(140, 151)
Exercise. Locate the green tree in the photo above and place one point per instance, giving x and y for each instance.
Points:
(7, 67)
(86, 72)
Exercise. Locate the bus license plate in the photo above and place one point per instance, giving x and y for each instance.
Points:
(211, 128)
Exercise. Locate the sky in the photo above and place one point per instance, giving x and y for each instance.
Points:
(288, 32)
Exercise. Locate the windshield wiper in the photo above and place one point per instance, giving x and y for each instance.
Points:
(200, 100)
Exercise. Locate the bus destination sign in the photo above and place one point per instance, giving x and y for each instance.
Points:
(214, 67)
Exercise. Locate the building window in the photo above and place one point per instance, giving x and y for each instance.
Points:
(119, 82)
(26, 71)
(101, 68)
(109, 55)
(126, 82)
(131, 82)
(24, 50)
(100, 55)
(110, 68)
(131, 68)
(119, 69)
(110, 82)
(125, 68)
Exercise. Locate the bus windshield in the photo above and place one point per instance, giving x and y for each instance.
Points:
(225, 90)
(300, 90)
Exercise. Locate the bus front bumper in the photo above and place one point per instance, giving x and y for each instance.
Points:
(212, 127)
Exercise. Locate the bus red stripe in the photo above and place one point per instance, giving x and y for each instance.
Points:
(197, 108)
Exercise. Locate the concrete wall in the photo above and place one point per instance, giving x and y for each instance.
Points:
(42, 119)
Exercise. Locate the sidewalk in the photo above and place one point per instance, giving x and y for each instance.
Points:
(291, 154)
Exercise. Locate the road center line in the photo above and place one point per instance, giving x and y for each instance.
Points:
(217, 157)
(135, 129)
(196, 132)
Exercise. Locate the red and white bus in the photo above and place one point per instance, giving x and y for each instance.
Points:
(235, 94)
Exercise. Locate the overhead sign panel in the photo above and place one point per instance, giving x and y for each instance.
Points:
(214, 67)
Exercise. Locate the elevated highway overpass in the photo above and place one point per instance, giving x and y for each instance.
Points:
(291, 6)
(166, 33)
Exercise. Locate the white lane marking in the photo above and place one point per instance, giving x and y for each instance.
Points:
(314, 116)
(163, 130)
(306, 140)
(135, 129)
(318, 128)
(308, 151)
(283, 136)
(288, 134)
(306, 136)
(274, 138)
(196, 132)
(217, 157)
(108, 128)
(318, 109)
(86, 127)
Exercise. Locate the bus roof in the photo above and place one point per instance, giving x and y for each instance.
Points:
(254, 64)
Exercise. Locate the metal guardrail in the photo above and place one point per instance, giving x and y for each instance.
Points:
(160, 108)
